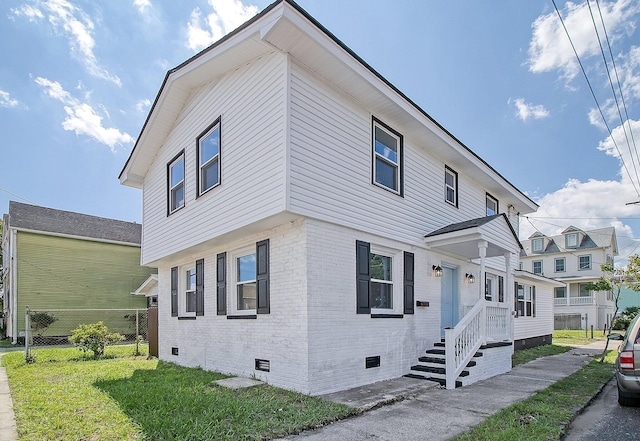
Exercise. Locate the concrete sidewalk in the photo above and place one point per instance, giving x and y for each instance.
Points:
(7, 419)
(425, 411)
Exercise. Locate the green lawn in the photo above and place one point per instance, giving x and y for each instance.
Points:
(577, 337)
(527, 355)
(65, 395)
(545, 415)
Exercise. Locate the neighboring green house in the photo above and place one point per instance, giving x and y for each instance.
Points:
(60, 260)
(628, 297)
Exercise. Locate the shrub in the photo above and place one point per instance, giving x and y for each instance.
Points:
(94, 337)
(622, 322)
(41, 321)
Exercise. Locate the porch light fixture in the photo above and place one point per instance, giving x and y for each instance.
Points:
(470, 278)
(437, 270)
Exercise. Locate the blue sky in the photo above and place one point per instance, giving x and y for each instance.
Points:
(78, 76)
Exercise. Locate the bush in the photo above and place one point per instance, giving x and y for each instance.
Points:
(622, 322)
(94, 337)
(41, 321)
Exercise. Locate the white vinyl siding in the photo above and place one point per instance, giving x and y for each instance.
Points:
(253, 165)
(331, 170)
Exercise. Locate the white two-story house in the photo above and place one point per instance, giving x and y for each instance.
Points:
(574, 258)
(313, 226)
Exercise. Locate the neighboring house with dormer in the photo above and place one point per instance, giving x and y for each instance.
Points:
(315, 228)
(574, 258)
(61, 260)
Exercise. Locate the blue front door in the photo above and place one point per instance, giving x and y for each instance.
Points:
(449, 294)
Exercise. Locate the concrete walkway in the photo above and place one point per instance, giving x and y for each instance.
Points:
(425, 411)
(7, 419)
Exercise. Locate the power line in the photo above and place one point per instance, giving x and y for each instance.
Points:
(594, 97)
(17, 196)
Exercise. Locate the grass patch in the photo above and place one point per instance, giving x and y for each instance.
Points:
(527, 355)
(544, 415)
(67, 395)
(576, 337)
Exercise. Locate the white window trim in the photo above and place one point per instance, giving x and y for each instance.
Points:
(567, 240)
(454, 174)
(179, 158)
(376, 155)
(201, 166)
(488, 199)
(533, 267)
(536, 249)
(580, 265)
(528, 292)
(182, 290)
(555, 265)
(232, 276)
(396, 278)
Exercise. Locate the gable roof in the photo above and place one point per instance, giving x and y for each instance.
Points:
(591, 239)
(286, 27)
(67, 223)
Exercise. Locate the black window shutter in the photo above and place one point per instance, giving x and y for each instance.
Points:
(174, 291)
(262, 276)
(408, 283)
(221, 283)
(200, 287)
(533, 301)
(363, 277)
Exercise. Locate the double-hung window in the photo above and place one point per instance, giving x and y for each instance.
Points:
(246, 281)
(387, 157)
(537, 267)
(537, 245)
(571, 240)
(381, 281)
(526, 300)
(208, 158)
(560, 264)
(560, 292)
(492, 205)
(175, 178)
(584, 262)
(451, 186)
(190, 290)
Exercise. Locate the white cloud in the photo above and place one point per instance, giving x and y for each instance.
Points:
(227, 15)
(629, 72)
(82, 118)
(594, 204)
(527, 110)
(550, 49)
(6, 100)
(142, 5)
(143, 105)
(76, 26)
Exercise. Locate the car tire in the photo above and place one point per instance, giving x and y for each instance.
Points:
(626, 401)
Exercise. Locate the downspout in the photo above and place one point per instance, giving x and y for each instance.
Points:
(14, 287)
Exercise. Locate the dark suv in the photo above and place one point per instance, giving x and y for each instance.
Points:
(628, 365)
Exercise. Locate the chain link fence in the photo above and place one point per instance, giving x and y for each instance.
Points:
(55, 326)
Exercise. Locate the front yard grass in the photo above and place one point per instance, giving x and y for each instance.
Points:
(527, 355)
(576, 337)
(545, 415)
(66, 395)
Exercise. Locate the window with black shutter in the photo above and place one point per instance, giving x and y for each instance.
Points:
(221, 283)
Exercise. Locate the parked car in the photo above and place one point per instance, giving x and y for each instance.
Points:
(628, 365)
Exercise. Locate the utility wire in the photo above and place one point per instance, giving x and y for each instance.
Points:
(594, 97)
(17, 196)
(615, 70)
(613, 91)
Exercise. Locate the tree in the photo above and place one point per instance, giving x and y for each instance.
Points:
(615, 279)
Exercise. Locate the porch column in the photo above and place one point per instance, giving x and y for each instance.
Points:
(508, 293)
(482, 248)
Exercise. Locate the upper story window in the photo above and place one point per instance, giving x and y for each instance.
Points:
(492, 205)
(175, 181)
(387, 157)
(537, 267)
(537, 245)
(450, 186)
(560, 265)
(584, 262)
(571, 240)
(560, 292)
(208, 153)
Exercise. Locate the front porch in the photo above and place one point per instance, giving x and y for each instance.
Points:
(488, 323)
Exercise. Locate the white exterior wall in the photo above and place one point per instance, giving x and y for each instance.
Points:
(251, 102)
(231, 346)
(542, 323)
(331, 169)
(340, 339)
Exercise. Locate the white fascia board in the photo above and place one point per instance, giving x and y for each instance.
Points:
(537, 278)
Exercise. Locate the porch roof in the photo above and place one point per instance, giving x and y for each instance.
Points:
(462, 239)
(148, 288)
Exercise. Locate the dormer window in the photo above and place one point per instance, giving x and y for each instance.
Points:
(537, 245)
(571, 240)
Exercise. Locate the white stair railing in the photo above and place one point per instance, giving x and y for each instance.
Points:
(462, 342)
